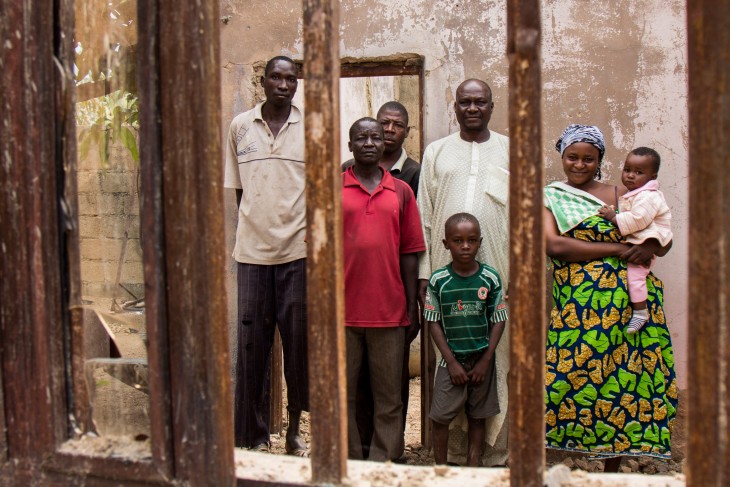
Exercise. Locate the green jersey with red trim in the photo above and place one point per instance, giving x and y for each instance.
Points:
(466, 307)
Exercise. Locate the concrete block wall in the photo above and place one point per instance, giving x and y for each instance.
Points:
(109, 207)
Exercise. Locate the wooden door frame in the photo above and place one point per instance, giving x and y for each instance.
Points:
(708, 445)
(190, 407)
(31, 320)
(192, 426)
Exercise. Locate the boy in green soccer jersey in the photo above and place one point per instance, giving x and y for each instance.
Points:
(466, 313)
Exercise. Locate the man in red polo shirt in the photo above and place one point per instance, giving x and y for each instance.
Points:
(383, 236)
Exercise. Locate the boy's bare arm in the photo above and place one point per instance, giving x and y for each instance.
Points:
(481, 368)
(456, 370)
(422, 286)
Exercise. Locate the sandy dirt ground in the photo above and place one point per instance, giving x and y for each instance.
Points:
(416, 454)
(119, 410)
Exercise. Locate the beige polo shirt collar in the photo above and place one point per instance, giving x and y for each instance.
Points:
(294, 116)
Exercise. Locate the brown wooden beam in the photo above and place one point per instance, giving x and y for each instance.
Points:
(410, 66)
(195, 256)
(34, 416)
(152, 227)
(325, 274)
(397, 65)
(527, 248)
(71, 255)
(428, 353)
(276, 405)
(3, 427)
(428, 371)
(708, 447)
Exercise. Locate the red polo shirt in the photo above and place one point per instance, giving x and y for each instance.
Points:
(378, 227)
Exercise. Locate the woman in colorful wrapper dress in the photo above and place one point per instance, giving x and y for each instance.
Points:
(607, 393)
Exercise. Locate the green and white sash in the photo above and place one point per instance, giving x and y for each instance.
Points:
(569, 205)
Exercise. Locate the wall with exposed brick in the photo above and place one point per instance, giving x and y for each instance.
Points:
(619, 65)
(109, 208)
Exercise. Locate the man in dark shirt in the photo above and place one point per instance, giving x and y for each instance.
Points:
(394, 118)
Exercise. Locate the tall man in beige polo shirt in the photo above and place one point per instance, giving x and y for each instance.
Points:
(265, 165)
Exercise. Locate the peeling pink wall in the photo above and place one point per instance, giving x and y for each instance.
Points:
(620, 65)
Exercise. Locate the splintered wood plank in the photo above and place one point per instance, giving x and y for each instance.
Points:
(527, 248)
(428, 372)
(277, 386)
(325, 274)
(152, 226)
(31, 318)
(194, 246)
(709, 243)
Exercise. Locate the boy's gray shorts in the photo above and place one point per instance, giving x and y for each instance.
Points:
(480, 401)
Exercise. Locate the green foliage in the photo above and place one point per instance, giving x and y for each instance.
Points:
(109, 119)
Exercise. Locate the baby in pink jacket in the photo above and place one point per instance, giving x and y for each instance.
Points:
(643, 214)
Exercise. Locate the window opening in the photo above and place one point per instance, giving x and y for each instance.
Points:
(365, 85)
(112, 391)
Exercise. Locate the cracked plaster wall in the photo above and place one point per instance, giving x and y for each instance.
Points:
(618, 64)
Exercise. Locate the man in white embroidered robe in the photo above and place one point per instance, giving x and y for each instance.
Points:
(468, 171)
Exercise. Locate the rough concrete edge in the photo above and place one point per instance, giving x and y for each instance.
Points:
(263, 466)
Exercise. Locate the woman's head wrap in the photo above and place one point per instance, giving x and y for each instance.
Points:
(582, 133)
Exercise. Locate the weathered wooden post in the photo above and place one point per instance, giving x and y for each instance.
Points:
(527, 247)
(709, 243)
(325, 274)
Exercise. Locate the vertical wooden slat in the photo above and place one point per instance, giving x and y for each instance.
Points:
(192, 195)
(3, 427)
(527, 247)
(708, 448)
(71, 256)
(152, 231)
(428, 371)
(428, 354)
(277, 386)
(324, 236)
(31, 358)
